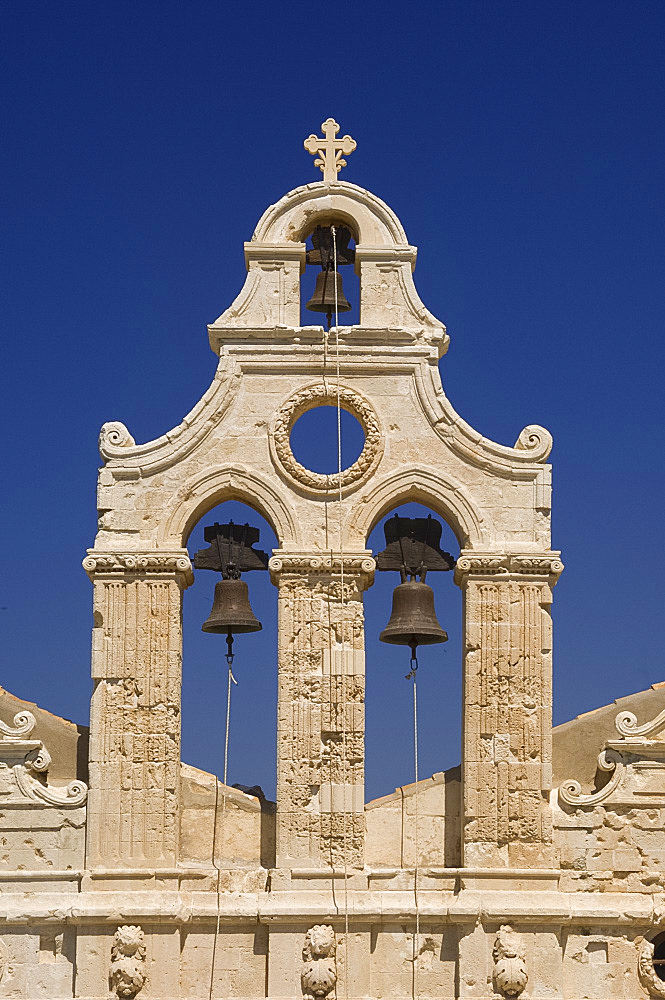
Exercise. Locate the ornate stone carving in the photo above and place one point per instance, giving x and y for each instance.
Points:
(120, 563)
(322, 395)
(626, 724)
(536, 440)
(509, 976)
(29, 760)
(319, 974)
(571, 793)
(115, 434)
(328, 151)
(73, 794)
(292, 562)
(24, 723)
(646, 972)
(499, 564)
(128, 974)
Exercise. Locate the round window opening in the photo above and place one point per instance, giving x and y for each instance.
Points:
(659, 956)
(313, 439)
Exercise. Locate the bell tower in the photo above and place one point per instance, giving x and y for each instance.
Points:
(235, 444)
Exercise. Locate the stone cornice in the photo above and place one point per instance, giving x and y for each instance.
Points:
(174, 564)
(275, 253)
(356, 564)
(498, 565)
(469, 906)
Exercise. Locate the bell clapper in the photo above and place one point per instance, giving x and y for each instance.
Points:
(229, 653)
(413, 662)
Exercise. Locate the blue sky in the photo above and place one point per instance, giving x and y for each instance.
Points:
(522, 146)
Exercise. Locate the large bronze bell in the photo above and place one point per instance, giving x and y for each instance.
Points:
(231, 611)
(413, 620)
(323, 299)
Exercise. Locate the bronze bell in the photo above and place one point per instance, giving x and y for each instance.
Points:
(323, 299)
(231, 611)
(413, 620)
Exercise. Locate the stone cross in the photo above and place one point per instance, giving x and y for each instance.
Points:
(328, 151)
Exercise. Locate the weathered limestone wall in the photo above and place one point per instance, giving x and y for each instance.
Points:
(135, 710)
(507, 709)
(320, 715)
(390, 821)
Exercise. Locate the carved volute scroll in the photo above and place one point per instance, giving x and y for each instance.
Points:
(24, 766)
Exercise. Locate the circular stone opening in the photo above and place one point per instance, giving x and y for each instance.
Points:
(313, 439)
(659, 956)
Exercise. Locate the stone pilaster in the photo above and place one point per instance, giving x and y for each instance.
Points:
(320, 720)
(135, 710)
(507, 722)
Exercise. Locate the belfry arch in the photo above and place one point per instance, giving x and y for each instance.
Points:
(234, 444)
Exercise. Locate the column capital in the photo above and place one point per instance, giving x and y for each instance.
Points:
(356, 564)
(502, 565)
(153, 563)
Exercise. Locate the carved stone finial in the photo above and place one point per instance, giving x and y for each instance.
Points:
(329, 150)
(128, 975)
(509, 976)
(319, 974)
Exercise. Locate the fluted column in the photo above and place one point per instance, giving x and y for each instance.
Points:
(321, 711)
(507, 706)
(135, 710)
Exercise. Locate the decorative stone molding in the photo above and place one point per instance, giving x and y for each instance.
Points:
(140, 563)
(571, 793)
(319, 973)
(72, 795)
(497, 564)
(321, 395)
(128, 975)
(29, 760)
(362, 565)
(509, 976)
(529, 451)
(646, 972)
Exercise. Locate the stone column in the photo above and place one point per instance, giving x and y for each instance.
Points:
(507, 706)
(321, 712)
(135, 709)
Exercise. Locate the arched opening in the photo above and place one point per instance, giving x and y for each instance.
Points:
(389, 707)
(204, 684)
(330, 239)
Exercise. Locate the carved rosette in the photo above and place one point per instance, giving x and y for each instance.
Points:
(127, 975)
(121, 564)
(322, 395)
(509, 976)
(319, 973)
